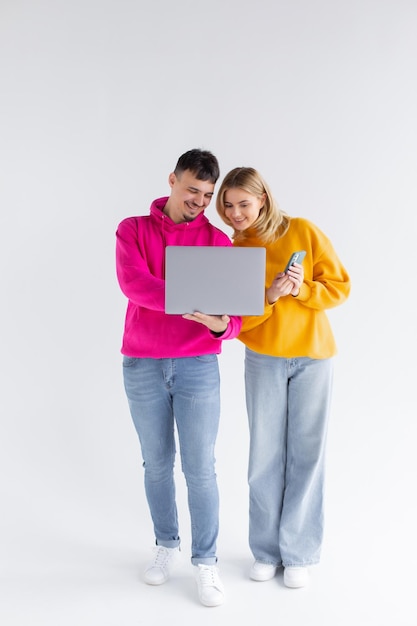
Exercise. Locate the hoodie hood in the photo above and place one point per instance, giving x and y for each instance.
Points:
(157, 212)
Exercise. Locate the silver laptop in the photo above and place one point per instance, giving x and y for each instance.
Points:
(215, 280)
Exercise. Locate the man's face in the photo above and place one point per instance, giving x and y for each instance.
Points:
(189, 197)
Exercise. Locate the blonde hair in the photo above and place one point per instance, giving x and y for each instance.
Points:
(271, 223)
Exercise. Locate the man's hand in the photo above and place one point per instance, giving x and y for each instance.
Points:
(216, 323)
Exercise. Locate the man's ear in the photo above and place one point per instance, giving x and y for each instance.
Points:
(171, 179)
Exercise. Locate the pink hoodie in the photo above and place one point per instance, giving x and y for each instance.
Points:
(140, 258)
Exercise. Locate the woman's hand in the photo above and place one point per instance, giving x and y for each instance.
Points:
(286, 284)
(215, 323)
(296, 274)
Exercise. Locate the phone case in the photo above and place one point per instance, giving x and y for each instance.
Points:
(296, 257)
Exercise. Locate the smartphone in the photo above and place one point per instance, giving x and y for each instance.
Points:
(296, 257)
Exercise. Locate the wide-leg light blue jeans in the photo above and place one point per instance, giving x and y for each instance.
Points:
(184, 392)
(288, 403)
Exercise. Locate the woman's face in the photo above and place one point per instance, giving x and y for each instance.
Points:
(242, 208)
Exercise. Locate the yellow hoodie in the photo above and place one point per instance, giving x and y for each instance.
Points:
(298, 326)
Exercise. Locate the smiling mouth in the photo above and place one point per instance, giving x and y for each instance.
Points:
(192, 207)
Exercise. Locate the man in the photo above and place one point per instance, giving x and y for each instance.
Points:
(171, 373)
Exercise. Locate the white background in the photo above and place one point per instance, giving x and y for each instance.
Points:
(98, 100)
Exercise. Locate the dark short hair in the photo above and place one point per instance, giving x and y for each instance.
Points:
(202, 163)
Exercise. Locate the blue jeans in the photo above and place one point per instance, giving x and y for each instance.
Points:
(184, 392)
(288, 403)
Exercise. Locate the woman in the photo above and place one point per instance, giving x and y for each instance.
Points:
(288, 377)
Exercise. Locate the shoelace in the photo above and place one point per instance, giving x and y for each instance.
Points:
(208, 576)
(161, 557)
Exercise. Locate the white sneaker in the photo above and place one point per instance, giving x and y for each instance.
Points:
(262, 571)
(295, 577)
(210, 587)
(159, 570)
